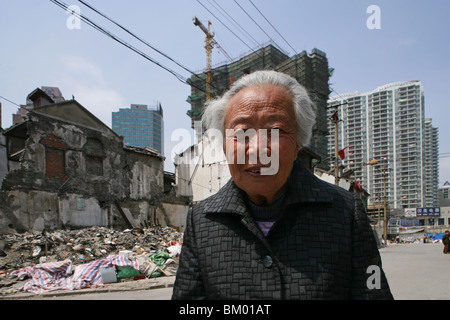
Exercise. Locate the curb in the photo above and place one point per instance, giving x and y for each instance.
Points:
(167, 282)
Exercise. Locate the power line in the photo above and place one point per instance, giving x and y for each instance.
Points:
(136, 37)
(109, 34)
(10, 101)
(258, 25)
(122, 42)
(272, 26)
(260, 54)
(112, 36)
(144, 42)
(236, 24)
(226, 26)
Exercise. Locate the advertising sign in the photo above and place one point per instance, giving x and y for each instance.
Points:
(428, 212)
(410, 212)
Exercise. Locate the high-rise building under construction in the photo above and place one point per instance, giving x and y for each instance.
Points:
(310, 70)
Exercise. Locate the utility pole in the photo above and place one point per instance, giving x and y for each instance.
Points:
(335, 119)
(385, 208)
(336, 152)
(385, 205)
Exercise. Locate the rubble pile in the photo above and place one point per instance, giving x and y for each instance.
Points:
(153, 251)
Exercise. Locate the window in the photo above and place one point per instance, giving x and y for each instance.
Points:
(94, 155)
(94, 165)
(54, 163)
(446, 194)
(54, 156)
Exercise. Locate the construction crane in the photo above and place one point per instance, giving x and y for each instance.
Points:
(209, 45)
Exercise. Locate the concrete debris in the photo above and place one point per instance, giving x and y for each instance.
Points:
(83, 246)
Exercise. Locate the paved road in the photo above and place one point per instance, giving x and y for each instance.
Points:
(417, 271)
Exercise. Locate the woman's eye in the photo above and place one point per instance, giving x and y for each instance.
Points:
(277, 130)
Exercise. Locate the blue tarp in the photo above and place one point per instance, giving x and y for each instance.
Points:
(435, 235)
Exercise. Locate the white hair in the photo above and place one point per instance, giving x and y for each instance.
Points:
(214, 114)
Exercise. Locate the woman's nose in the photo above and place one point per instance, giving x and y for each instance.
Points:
(257, 146)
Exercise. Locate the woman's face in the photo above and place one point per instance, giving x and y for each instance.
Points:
(254, 109)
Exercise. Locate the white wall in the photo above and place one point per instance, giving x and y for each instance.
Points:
(201, 171)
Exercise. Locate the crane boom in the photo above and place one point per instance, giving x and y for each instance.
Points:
(209, 44)
(199, 24)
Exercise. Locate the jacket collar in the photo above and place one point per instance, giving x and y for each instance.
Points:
(303, 187)
(228, 199)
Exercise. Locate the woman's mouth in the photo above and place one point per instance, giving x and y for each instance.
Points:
(254, 171)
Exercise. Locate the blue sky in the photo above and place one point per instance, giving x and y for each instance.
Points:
(38, 49)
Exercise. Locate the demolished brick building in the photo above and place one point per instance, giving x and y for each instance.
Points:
(66, 168)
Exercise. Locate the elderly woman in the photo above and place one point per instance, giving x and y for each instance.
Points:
(275, 234)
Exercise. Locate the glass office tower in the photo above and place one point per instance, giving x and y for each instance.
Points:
(141, 126)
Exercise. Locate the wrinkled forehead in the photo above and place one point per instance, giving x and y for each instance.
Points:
(269, 99)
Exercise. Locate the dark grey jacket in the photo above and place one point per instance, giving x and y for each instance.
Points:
(320, 248)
